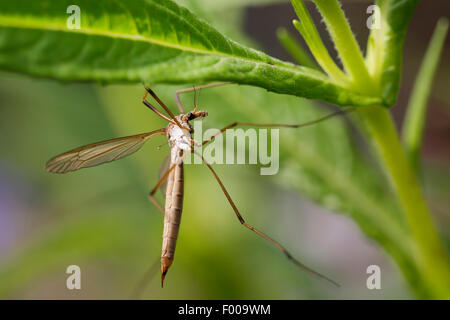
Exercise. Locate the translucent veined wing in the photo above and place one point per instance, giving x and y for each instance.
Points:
(98, 153)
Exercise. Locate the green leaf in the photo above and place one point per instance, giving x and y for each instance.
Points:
(385, 46)
(154, 41)
(414, 124)
(345, 42)
(217, 6)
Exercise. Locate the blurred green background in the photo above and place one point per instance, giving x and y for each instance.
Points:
(101, 220)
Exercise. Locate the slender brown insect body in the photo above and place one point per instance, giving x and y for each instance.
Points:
(172, 212)
(181, 144)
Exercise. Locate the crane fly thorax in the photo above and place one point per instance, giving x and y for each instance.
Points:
(180, 138)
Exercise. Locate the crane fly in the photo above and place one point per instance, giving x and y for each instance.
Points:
(181, 143)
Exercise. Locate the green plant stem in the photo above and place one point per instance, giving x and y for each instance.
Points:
(307, 29)
(376, 43)
(416, 115)
(345, 42)
(430, 252)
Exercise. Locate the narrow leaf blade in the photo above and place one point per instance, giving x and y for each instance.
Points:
(152, 41)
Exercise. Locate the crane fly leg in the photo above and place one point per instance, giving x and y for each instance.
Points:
(263, 235)
(151, 107)
(161, 181)
(153, 94)
(156, 203)
(210, 85)
(141, 285)
(274, 125)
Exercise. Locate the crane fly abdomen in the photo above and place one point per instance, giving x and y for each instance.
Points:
(172, 212)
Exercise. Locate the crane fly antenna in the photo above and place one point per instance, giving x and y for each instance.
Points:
(263, 235)
(195, 98)
(209, 85)
(198, 99)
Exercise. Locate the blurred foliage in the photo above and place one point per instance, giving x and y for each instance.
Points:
(414, 124)
(100, 218)
(105, 213)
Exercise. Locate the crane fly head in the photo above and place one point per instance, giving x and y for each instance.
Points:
(191, 115)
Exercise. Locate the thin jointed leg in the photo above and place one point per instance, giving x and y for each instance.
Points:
(275, 243)
(153, 94)
(275, 125)
(144, 101)
(161, 181)
(142, 284)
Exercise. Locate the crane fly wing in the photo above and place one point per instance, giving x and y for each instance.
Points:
(165, 166)
(97, 153)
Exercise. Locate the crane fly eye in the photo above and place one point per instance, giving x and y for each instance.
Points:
(190, 115)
